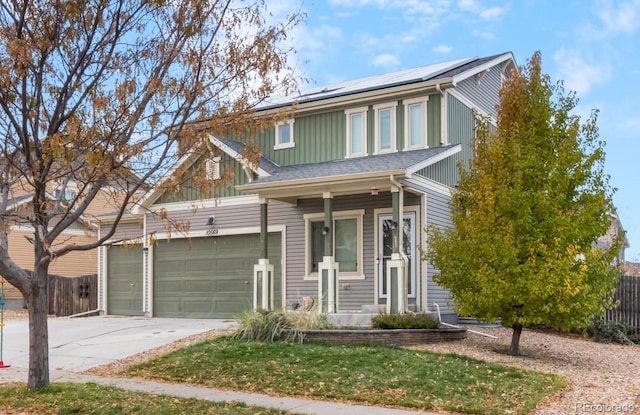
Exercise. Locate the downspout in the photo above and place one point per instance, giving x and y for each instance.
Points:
(443, 115)
(437, 307)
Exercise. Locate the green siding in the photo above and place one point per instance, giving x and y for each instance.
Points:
(460, 125)
(188, 192)
(317, 138)
(433, 121)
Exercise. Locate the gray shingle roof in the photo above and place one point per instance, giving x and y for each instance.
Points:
(335, 168)
(265, 164)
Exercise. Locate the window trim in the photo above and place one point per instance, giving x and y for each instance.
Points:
(357, 214)
(278, 145)
(212, 168)
(423, 101)
(348, 113)
(392, 107)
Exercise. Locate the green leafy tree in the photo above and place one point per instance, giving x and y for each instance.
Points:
(96, 93)
(527, 213)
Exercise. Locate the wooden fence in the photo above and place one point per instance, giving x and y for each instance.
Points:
(628, 293)
(69, 296)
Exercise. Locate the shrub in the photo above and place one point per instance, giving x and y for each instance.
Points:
(276, 325)
(404, 321)
(604, 331)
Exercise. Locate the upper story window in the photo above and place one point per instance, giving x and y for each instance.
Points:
(284, 134)
(212, 168)
(415, 123)
(385, 127)
(67, 193)
(356, 132)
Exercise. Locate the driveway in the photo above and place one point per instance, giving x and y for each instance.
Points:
(81, 343)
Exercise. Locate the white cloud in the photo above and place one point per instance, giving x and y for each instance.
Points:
(442, 49)
(578, 74)
(492, 13)
(483, 34)
(385, 59)
(619, 17)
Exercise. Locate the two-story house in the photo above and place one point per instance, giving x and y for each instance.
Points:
(335, 210)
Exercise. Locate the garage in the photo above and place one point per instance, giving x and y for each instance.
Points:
(210, 277)
(124, 280)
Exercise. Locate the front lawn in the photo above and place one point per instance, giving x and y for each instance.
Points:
(374, 375)
(90, 398)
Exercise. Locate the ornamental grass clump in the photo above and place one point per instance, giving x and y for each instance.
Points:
(277, 325)
(404, 321)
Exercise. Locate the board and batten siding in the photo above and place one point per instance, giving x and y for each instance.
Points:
(437, 214)
(317, 138)
(187, 192)
(460, 128)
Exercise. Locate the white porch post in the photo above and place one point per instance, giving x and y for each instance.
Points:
(396, 267)
(263, 270)
(328, 269)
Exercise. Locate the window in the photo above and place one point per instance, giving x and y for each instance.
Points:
(385, 128)
(284, 134)
(67, 193)
(212, 168)
(356, 132)
(347, 242)
(415, 123)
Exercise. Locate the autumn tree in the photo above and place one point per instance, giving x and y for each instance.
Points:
(97, 92)
(527, 213)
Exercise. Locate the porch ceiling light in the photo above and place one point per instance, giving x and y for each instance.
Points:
(325, 230)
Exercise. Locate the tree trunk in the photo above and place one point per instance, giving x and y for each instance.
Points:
(38, 305)
(515, 340)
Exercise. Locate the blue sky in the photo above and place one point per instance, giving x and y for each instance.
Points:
(590, 44)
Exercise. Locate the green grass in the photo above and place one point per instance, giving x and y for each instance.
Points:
(373, 375)
(90, 398)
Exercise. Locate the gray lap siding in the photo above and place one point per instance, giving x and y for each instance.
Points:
(353, 293)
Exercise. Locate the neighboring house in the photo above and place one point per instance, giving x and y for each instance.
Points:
(346, 188)
(83, 231)
(606, 241)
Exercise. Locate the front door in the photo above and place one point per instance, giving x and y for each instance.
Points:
(385, 248)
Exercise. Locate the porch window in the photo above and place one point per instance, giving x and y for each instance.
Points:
(284, 134)
(347, 242)
(415, 123)
(385, 131)
(356, 132)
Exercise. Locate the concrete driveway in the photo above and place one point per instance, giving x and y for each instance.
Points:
(81, 343)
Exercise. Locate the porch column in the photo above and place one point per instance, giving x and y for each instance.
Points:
(328, 268)
(396, 266)
(263, 271)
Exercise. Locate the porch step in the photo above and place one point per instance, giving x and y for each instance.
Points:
(355, 319)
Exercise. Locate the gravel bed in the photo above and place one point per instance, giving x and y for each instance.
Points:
(601, 378)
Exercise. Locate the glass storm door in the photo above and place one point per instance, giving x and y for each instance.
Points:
(385, 247)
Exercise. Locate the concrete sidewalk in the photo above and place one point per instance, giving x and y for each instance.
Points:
(76, 345)
(296, 405)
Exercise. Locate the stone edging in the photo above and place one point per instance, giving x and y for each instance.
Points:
(390, 337)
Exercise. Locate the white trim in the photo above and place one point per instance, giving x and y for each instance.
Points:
(348, 114)
(206, 203)
(419, 183)
(67, 231)
(422, 101)
(357, 214)
(278, 145)
(234, 154)
(391, 107)
(212, 168)
(500, 60)
(376, 249)
(444, 116)
(221, 232)
(433, 160)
